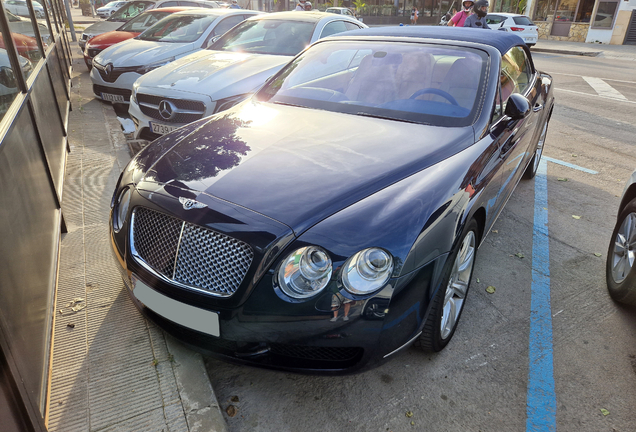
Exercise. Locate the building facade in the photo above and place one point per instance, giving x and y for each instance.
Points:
(592, 21)
(35, 66)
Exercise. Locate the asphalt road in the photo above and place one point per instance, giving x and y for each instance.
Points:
(481, 381)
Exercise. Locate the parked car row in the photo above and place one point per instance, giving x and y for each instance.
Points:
(202, 68)
(318, 190)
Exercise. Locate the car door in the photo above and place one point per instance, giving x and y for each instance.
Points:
(515, 137)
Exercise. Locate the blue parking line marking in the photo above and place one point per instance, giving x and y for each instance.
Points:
(569, 165)
(541, 397)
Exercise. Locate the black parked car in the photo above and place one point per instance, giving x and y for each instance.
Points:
(333, 219)
(621, 254)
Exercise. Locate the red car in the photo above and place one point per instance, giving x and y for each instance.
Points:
(27, 46)
(132, 28)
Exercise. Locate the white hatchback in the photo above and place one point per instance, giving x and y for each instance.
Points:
(521, 25)
(109, 9)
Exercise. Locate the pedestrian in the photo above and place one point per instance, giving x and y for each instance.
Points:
(234, 5)
(307, 5)
(412, 15)
(478, 18)
(300, 6)
(459, 18)
(417, 15)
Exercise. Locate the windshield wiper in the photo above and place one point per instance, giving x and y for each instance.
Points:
(364, 114)
(289, 104)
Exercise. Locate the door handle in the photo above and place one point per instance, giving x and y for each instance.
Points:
(537, 108)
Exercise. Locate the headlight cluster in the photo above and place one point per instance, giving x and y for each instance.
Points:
(120, 210)
(307, 271)
(133, 94)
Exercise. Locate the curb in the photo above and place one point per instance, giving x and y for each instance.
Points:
(569, 52)
(202, 409)
(200, 406)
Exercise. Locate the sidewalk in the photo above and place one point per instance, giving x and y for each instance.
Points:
(81, 20)
(111, 369)
(623, 52)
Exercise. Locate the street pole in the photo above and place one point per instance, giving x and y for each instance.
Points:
(70, 21)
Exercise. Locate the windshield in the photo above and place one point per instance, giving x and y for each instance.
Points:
(267, 36)
(129, 10)
(178, 28)
(143, 21)
(410, 82)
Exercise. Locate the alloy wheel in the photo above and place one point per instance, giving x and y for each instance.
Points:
(458, 285)
(624, 253)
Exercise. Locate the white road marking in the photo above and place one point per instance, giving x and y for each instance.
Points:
(593, 95)
(604, 79)
(603, 89)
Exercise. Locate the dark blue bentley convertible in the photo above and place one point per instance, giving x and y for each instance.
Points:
(333, 219)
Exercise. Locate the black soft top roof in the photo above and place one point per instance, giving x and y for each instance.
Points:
(500, 40)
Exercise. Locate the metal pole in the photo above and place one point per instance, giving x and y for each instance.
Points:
(70, 20)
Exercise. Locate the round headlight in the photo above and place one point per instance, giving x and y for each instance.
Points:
(121, 209)
(367, 271)
(305, 272)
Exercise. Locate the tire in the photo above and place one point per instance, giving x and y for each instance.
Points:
(620, 269)
(449, 300)
(531, 171)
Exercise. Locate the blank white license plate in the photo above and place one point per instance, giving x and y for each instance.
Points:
(183, 314)
(162, 129)
(113, 97)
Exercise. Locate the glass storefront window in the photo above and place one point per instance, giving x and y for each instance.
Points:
(565, 10)
(584, 14)
(605, 15)
(544, 9)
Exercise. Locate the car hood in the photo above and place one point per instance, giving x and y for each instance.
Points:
(298, 165)
(218, 74)
(135, 52)
(102, 27)
(111, 38)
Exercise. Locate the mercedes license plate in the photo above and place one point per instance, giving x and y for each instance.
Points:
(183, 314)
(113, 98)
(162, 129)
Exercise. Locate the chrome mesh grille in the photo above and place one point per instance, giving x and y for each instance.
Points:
(189, 254)
(156, 239)
(211, 260)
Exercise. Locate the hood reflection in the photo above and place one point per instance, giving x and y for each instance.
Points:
(213, 149)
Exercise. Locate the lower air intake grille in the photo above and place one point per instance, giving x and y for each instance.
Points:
(316, 353)
(189, 254)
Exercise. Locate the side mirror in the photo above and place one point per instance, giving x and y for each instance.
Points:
(517, 107)
(212, 40)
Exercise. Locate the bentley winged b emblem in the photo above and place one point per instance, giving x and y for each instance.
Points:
(190, 203)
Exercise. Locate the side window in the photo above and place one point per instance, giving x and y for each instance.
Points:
(516, 75)
(494, 19)
(352, 26)
(332, 28)
(227, 24)
(170, 4)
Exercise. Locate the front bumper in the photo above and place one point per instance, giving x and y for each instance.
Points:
(151, 127)
(258, 328)
(116, 90)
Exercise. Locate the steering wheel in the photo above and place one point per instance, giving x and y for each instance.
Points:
(434, 91)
